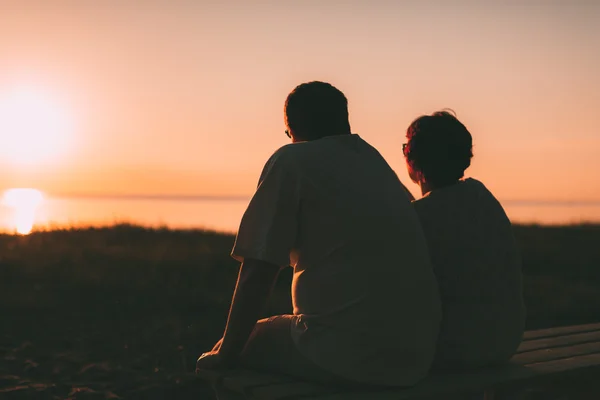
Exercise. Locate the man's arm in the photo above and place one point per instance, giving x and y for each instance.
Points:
(267, 232)
(255, 282)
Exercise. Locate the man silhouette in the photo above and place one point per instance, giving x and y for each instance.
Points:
(365, 300)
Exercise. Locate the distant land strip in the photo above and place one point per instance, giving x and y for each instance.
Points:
(166, 197)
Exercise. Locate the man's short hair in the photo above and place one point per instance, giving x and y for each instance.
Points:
(316, 109)
(439, 148)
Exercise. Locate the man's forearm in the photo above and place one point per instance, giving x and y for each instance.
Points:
(254, 285)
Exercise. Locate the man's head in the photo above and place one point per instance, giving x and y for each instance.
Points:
(314, 110)
(439, 149)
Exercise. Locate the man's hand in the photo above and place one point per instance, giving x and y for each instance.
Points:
(210, 361)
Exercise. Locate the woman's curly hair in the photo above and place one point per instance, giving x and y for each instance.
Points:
(439, 148)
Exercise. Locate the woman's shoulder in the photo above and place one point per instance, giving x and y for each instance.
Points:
(467, 196)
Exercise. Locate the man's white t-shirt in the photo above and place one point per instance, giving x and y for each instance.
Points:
(364, 294)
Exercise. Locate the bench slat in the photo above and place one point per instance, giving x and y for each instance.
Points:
(556, 353)
(560, 331)
(565, 364)
(560, 341)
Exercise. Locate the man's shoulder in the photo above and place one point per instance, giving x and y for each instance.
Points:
(284, 159)
(283, 155)
(469, 196)
(290, 153)
(445, 198)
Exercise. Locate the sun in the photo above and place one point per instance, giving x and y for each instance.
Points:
(34, 127)
(24, 202)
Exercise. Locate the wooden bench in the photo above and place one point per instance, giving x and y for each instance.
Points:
(543, 355)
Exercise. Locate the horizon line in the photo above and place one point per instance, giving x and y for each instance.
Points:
(136, 196)
(183, 197)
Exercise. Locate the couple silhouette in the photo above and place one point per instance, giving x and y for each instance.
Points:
(385, 288)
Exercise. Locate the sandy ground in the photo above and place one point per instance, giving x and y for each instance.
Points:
(65, 361)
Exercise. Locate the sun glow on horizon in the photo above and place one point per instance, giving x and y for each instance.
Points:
(24, 202)
(34, 128)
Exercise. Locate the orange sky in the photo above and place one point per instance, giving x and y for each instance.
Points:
(186, 97)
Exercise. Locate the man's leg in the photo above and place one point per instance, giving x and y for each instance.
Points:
(270, 348)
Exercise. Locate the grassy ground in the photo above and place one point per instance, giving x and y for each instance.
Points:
(125, 311)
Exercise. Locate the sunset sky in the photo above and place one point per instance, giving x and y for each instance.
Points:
(186, 97)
